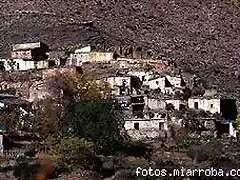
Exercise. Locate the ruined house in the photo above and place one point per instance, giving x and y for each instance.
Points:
(146, 128)
(79, 56)
(224, 106)
(141, 123)
(27, 56)
(30, 51)
(23, 65)
(86, 55)
(120, 85)
(165, 84)
(156, 82)
(124, 63)
(142, 75)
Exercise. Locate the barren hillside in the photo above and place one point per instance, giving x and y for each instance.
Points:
(203, 36)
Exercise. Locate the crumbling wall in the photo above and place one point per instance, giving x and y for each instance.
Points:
(211, 105)
(154, 104)
(147, 128)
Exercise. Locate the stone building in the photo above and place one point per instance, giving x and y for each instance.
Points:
(23, 65)
(120, 85)
(165, 84)
(146, 128)
(30, 51)
(226, 107)
(79, 56)
(27, 56)
(86, 55)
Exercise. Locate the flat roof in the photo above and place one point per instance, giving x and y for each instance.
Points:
(30, 46)
(26, 46)
(143, 119)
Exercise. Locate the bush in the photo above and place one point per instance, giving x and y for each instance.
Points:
(98, 121)
(206, 151)
(198, 153)
(70, 149)
(26, 171)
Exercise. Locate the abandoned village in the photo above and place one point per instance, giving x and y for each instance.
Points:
(150, 93)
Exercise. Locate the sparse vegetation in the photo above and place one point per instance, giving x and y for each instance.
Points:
(71, 48)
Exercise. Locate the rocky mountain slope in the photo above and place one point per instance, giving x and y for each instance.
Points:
(200, 36)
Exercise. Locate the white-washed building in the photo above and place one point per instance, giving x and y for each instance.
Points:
(146, 128)
(23, 65)
(85, 55)
(226, 107)
(120, 85)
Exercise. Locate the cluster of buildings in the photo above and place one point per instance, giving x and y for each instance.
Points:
(148, 101)
(148, 95)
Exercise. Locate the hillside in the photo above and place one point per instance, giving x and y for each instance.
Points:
(200, 36)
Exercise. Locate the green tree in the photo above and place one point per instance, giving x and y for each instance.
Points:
(70, 149)
(50, 118)
(84, 87)
(71, 48)
(98, 121)
(10, 117)
(149, 67)
(238, 125)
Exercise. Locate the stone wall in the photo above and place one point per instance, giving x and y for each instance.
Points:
(146, 129)
(211, 105)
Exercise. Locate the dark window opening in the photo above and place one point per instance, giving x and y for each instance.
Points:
(17, 66)
(228, 109)
(211, 105)
(121, 50)
(137, 99)
(139, 49)
(136, 126)
(170, 107)
(181, 107)
(196, 105)
(161, 126)
(124, 82)
(222, 128)
(2, 68)
(115, 55)
(137, 110)
(151, 115)
(79, 70)
(51, 64)
(163, 115)
(167, 83)
(63, 61)
(123, 90)
(157, 82)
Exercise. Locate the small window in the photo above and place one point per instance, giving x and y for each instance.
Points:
(163, 115)
(136, 126)
(151, 115)
(157, 82)
(196, 105)
(181, 107)
(211, 105)
(161, 126)
(17, 66)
